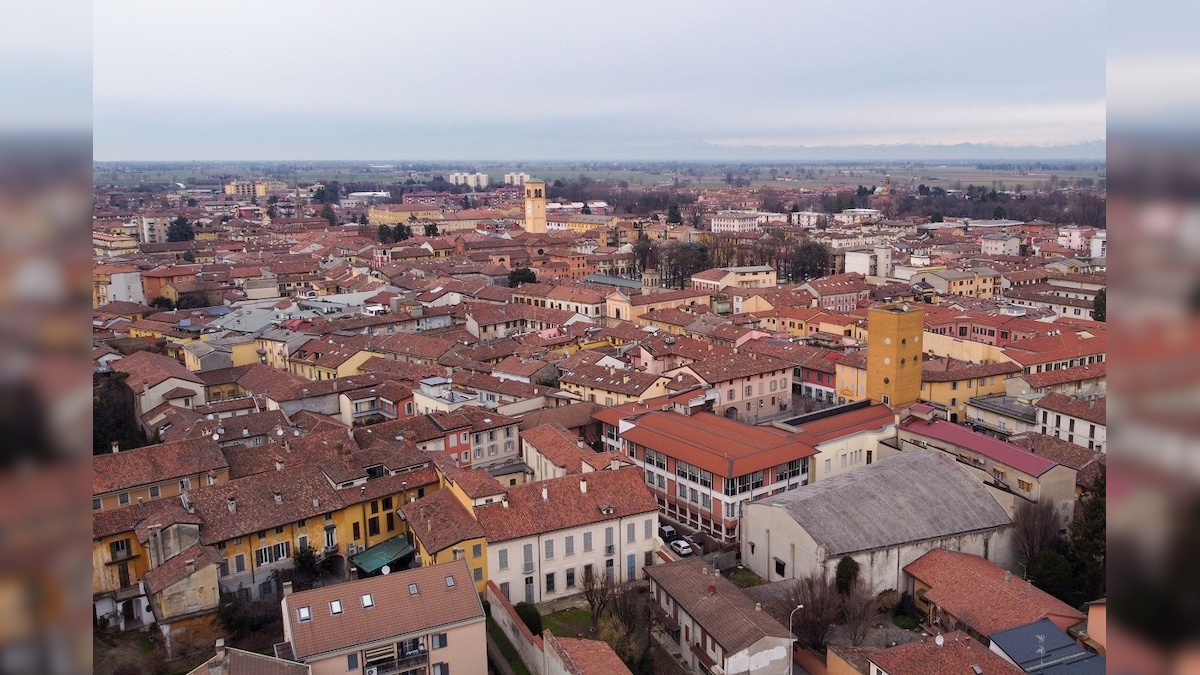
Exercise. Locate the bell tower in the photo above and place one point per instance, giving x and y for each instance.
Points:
(535, 206)
(894, 354)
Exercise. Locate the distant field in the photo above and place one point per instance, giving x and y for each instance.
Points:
(809, 176)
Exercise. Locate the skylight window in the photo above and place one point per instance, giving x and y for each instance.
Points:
(335, 607)
(368, 601)
(304, 614)
(412, 589)
(450, 582)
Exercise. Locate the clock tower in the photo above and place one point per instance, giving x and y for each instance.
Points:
(535, 206)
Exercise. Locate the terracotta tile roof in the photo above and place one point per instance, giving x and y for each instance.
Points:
(419, 429)
(617, 380)
(720, 368)
(303, 492)
(475, 483)
(440, 520)
(714, 443)
(726, 614)
(624, 492)
(1054, 348)
(116, 471)
(870, 418)
(586, 657)
(956, 656)
(1050, 378)
(639, 299)
(396, 611)
(1056, 449)
(946, 369)
(999, 451)
(175, 569)
(147, 369)
(239, 662)
(985, 596)
(559, 446)
(1092, 409)
(571, 416)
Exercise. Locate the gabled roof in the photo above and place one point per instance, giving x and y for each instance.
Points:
(440, 520)
(996, 449)
(914, 496)
(116, 471)
(396, 611)
(1046, 649)
(726, 613)
(956, 656)
(984, 595)
(609, 495)
(723, 446)
(147, 369)
(1091, 410)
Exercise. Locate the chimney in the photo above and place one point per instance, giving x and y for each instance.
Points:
(316, 503)
(758, 606)
(278, 497)
(189, 566)
(504, 502)
(712, 589)
(116, 447)
(624, 379)
(545, 493)
(582, 486)
(232, 503)
(704, 570)
(220, 648)
(614, 464)
(245, 432)
(1007, 577)
(287, 588)
(140, 504)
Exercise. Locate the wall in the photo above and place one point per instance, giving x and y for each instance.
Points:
(528, 645)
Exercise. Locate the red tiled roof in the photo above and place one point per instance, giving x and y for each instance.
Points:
(566, 505)
(957, 655)
(1050, 378)
(175, 569)
(1092, 410)
(1004, 453)
(981, 593)
(440, 520)
(714, 443)
(115, 471)
(396, 610)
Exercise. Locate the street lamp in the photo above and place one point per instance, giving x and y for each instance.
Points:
(793, 636)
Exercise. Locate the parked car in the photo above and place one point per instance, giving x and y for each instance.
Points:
(667, 533)
(681, 547)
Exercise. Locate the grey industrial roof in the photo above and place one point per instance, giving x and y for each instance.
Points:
(913, 496)
(1061, 654)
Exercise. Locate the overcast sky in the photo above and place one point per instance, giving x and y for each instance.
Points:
(587, 80)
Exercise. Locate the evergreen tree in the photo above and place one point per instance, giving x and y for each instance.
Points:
(180, 230)
(1100, 305)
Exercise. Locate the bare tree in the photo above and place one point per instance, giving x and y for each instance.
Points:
(822, 605)
(598, 591)
(1035, 527)
(859, 608)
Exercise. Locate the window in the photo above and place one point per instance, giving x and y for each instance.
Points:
(476, 550)
(185, 483)
(587, 541)
(569, 545)
(503, 558)
(549, 549)
(780, 567)
(828, 465)
(123, 498)
(749, 390)
(608, 538)
(95, 503)
(239, 563)
(730, 397)
(335, 607)
(368, 600)
(357, 531)
(154, 491)
(504, 589)
(439, 641)
(478, 574)
(441, 669)
(630, 532)
(304, 614)
(352, 661)
(550, 582)
(571, 578)
(648, 528)
(1024, 485)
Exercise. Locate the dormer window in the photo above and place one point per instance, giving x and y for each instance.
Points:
(377, 471)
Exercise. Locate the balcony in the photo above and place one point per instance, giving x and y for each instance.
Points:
(527, 568)
(405, 662)
(610, 550)
(332, 549)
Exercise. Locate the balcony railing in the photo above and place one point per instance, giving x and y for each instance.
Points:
(610, 550)
(332, 549)
(404, 662)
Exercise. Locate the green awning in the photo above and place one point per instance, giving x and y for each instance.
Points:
(374, 558)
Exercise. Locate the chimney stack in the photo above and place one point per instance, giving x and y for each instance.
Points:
(232, 503)
(189, 566)
(582, 486)
(545, 493)
(1007, 577)
(116, 447)
(287, 588)
(278, 497)
(758, 606)
(220, 648)
(712, 589)
(316, 503)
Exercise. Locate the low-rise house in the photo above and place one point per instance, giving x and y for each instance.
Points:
(884, 516)
(553, 452)
(443, 529)
(955, 652)
(157, 379)
(956, 590)
(846, 437)
(425, 620)
(717, 628)
(132, 477)
(612, 386)
(545, 538)
(230, 661)
(746, 386)
(720, 278)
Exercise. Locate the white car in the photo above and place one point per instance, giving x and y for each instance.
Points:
(681, 547)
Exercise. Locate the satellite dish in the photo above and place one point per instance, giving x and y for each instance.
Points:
(386, 570)
(939, 640)
(279, 432)
(216, 437)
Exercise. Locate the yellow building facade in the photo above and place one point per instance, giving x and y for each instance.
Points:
(894, 354)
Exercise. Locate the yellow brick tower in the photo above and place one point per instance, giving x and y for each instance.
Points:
(535, 206)
(894, 354)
